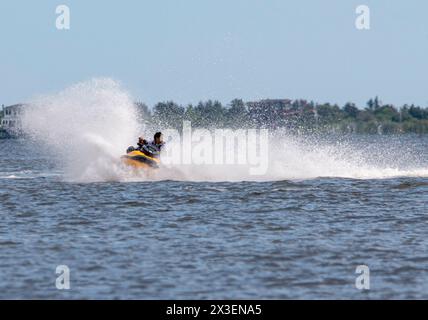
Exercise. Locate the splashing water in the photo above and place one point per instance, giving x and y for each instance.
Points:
(88, 126)
(308, 157)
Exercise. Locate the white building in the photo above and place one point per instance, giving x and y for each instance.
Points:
(11, 120)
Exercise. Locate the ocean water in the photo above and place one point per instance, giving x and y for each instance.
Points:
(289, 236)
(324, 205)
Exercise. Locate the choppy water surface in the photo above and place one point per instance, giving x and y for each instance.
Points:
(295, 238)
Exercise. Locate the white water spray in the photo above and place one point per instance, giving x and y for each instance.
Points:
(88, 126)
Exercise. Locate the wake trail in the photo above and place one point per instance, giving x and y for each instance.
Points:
(88, 126)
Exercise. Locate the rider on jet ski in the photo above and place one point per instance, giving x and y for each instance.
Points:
(151, 149)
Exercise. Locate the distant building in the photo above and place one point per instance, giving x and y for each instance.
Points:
(270, 103)
(11, 120)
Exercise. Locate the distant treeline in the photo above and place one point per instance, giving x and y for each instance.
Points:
(295, 115)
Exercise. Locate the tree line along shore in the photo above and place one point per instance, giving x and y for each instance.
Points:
(294, 115)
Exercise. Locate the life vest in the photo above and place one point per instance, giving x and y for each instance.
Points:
(152, 149)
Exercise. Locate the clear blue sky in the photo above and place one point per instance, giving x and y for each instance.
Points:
(188, 50)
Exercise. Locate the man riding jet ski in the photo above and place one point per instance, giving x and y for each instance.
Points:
(146, 155)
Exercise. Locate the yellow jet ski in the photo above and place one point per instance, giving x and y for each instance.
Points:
(139, 160)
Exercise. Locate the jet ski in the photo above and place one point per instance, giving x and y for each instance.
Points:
(140, 160)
